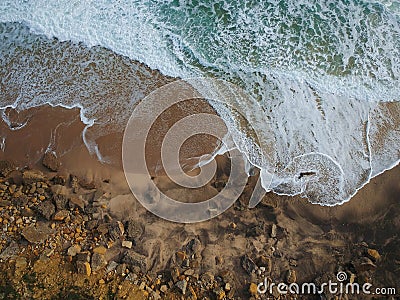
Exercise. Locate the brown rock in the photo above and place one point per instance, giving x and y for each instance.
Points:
(31, 176)
(33, 235)
(248, 264)
(100, 250)
(46, 209)
(6, 167)
(98, 262)
(76, 201)
(83, 267)
(373, 254)
(61, 215)
(134, 229)
(50, 161)
(253, 289)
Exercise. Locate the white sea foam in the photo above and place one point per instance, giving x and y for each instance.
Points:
(324, 74)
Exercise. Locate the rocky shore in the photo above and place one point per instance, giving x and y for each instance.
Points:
(63, 237)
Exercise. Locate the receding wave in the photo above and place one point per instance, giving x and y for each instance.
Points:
(326, 74)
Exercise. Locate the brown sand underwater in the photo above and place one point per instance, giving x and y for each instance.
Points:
(77, 232)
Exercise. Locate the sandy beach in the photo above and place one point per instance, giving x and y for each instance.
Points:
(72, 228)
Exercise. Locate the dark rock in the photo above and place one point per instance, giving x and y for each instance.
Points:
(116, 230)
(98, 262)
(76, 202)
(120, 269)
(90, 225)
(50, 161)
(46, 209)
(58, 179)
(21, 200)
(182, 285)
(87, 185)
(6, 167)
(83, 256)
(255, 230)
(364, 264)
(60, 201)
(4, 203)
(248, 264)
(194, 246)
(58, 189)
(134, 229)
(133, 259)
(11, 250)
(103, 228)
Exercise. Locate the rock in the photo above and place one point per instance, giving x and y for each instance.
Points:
(180, 256)
(291, 276)
(255, 230)
(83, 268)
(182, 285)
(61, 215)
(58, 179)
(20, 200)
(189, 272)
(219, 293)
(102, 228)
(248, 264)
(31, 176)
(373, 254)
(4, 203)
(121, 268)
(127, 244)
(194, 246)
(273, 230)
(164, 288)
(34, 235)
(11, 250)
(265, 262)
(253, 289)
(364, 264)
(88, 185)
(46, 209)
(100, 250)
(98, 262)
(59, 190)
(76, 202)
(207, 279)
(6, 167)
(134, 229)
(112, 265)
(83, 256)
(60, 201)
(227, 286)
(74, 250)
(133, 259)
(116, 230)
(50, 161)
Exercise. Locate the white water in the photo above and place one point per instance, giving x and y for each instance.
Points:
(323, 82)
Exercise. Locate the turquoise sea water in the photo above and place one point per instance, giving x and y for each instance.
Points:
(326, 73)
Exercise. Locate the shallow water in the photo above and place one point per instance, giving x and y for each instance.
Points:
(325, 74)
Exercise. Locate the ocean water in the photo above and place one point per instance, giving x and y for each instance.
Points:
(326, 74)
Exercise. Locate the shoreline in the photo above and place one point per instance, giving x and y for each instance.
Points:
(287, 237)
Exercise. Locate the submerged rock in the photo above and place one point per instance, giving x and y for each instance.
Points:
(50, 161)
(134, 259)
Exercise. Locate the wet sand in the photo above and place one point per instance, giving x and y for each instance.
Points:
(283, 238)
